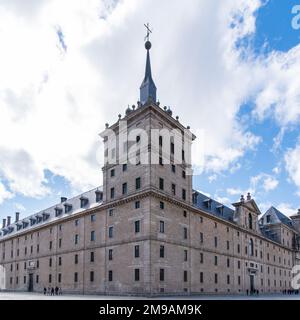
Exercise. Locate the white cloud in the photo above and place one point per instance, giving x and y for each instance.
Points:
(287, 209)
(292, 165)
(53, 103)
(4, 193)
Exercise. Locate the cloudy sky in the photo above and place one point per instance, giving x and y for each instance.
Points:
(228, 68)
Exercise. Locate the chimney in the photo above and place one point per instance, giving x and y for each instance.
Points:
(3, 223)
(63, 199)
(248, 196)
(8, 220)
(17, 216)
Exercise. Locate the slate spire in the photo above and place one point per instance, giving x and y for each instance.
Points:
(148, 88)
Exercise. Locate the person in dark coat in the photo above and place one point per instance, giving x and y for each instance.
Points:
(56, 291)
(52, 291)
(45, 291)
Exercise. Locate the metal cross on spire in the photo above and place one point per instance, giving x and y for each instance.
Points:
(148, 31)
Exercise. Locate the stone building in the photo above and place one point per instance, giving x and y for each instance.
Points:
(146, 231)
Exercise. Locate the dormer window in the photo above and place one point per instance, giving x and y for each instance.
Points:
(46, 216)
(207, 203)
(68, 208)
(19, 226)
(83, 202)
(32, 221)
(39, 219)
(99, 196)
(25, 224)
(268, 218)
(58, 212)
(220, 209)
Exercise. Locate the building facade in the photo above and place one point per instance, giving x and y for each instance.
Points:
(146, 231)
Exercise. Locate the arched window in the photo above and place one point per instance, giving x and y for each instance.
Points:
(250, 221)
(251, 247)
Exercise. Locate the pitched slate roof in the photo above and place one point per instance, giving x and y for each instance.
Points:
(212, 206)
(281, 217)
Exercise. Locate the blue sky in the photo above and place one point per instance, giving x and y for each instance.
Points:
(233, 65)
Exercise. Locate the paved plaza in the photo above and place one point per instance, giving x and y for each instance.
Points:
(38, 296)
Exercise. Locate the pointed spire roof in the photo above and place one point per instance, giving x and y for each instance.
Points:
(148, 88)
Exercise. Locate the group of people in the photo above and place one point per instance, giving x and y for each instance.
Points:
(52, 291)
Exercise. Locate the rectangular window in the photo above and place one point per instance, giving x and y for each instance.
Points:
(50, 245)
(59, 243)
(173, 168)
(112, 172)
(216, 242)
(161, 205)
(216, 260)
(138, 183)
(173, 189)
(92, 235)
(185, 256)
(201, 237)
(185, 276)
(50, 278)
(37, 278)
(76, 239)
(161, 161)
(93, 218)
(76, 259)
(50, 262)
(201, 257)
(112, 193)
(136, 274)
(185, 233)
(162, 274)
(137, 226)
(76, 223)
(183, 174)
(92, 276)
(162, 251)
(75, 277)
(161, 226)
(110, 275)
(161, 183)
(111, 212)
(124, 188)
(110, 254)
(227, 245)
(228, 279)
(201, 277)
(110, 232)
(136, 251)
(228, 262)
(137, 204)
(124, 167)
(92, 256)
(59, 261)
(183, 194)
(216, 278)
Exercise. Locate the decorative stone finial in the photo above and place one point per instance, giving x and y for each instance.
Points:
(106, 125)
(165, 108)
(133, 107)
(242, 198)
(177, 118)
(119, 116)
(248, 196)
(188, 127)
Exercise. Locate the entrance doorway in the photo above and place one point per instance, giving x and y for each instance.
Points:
(252, 288)
(30, 284)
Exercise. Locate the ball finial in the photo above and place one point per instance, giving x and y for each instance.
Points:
(148, 45)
